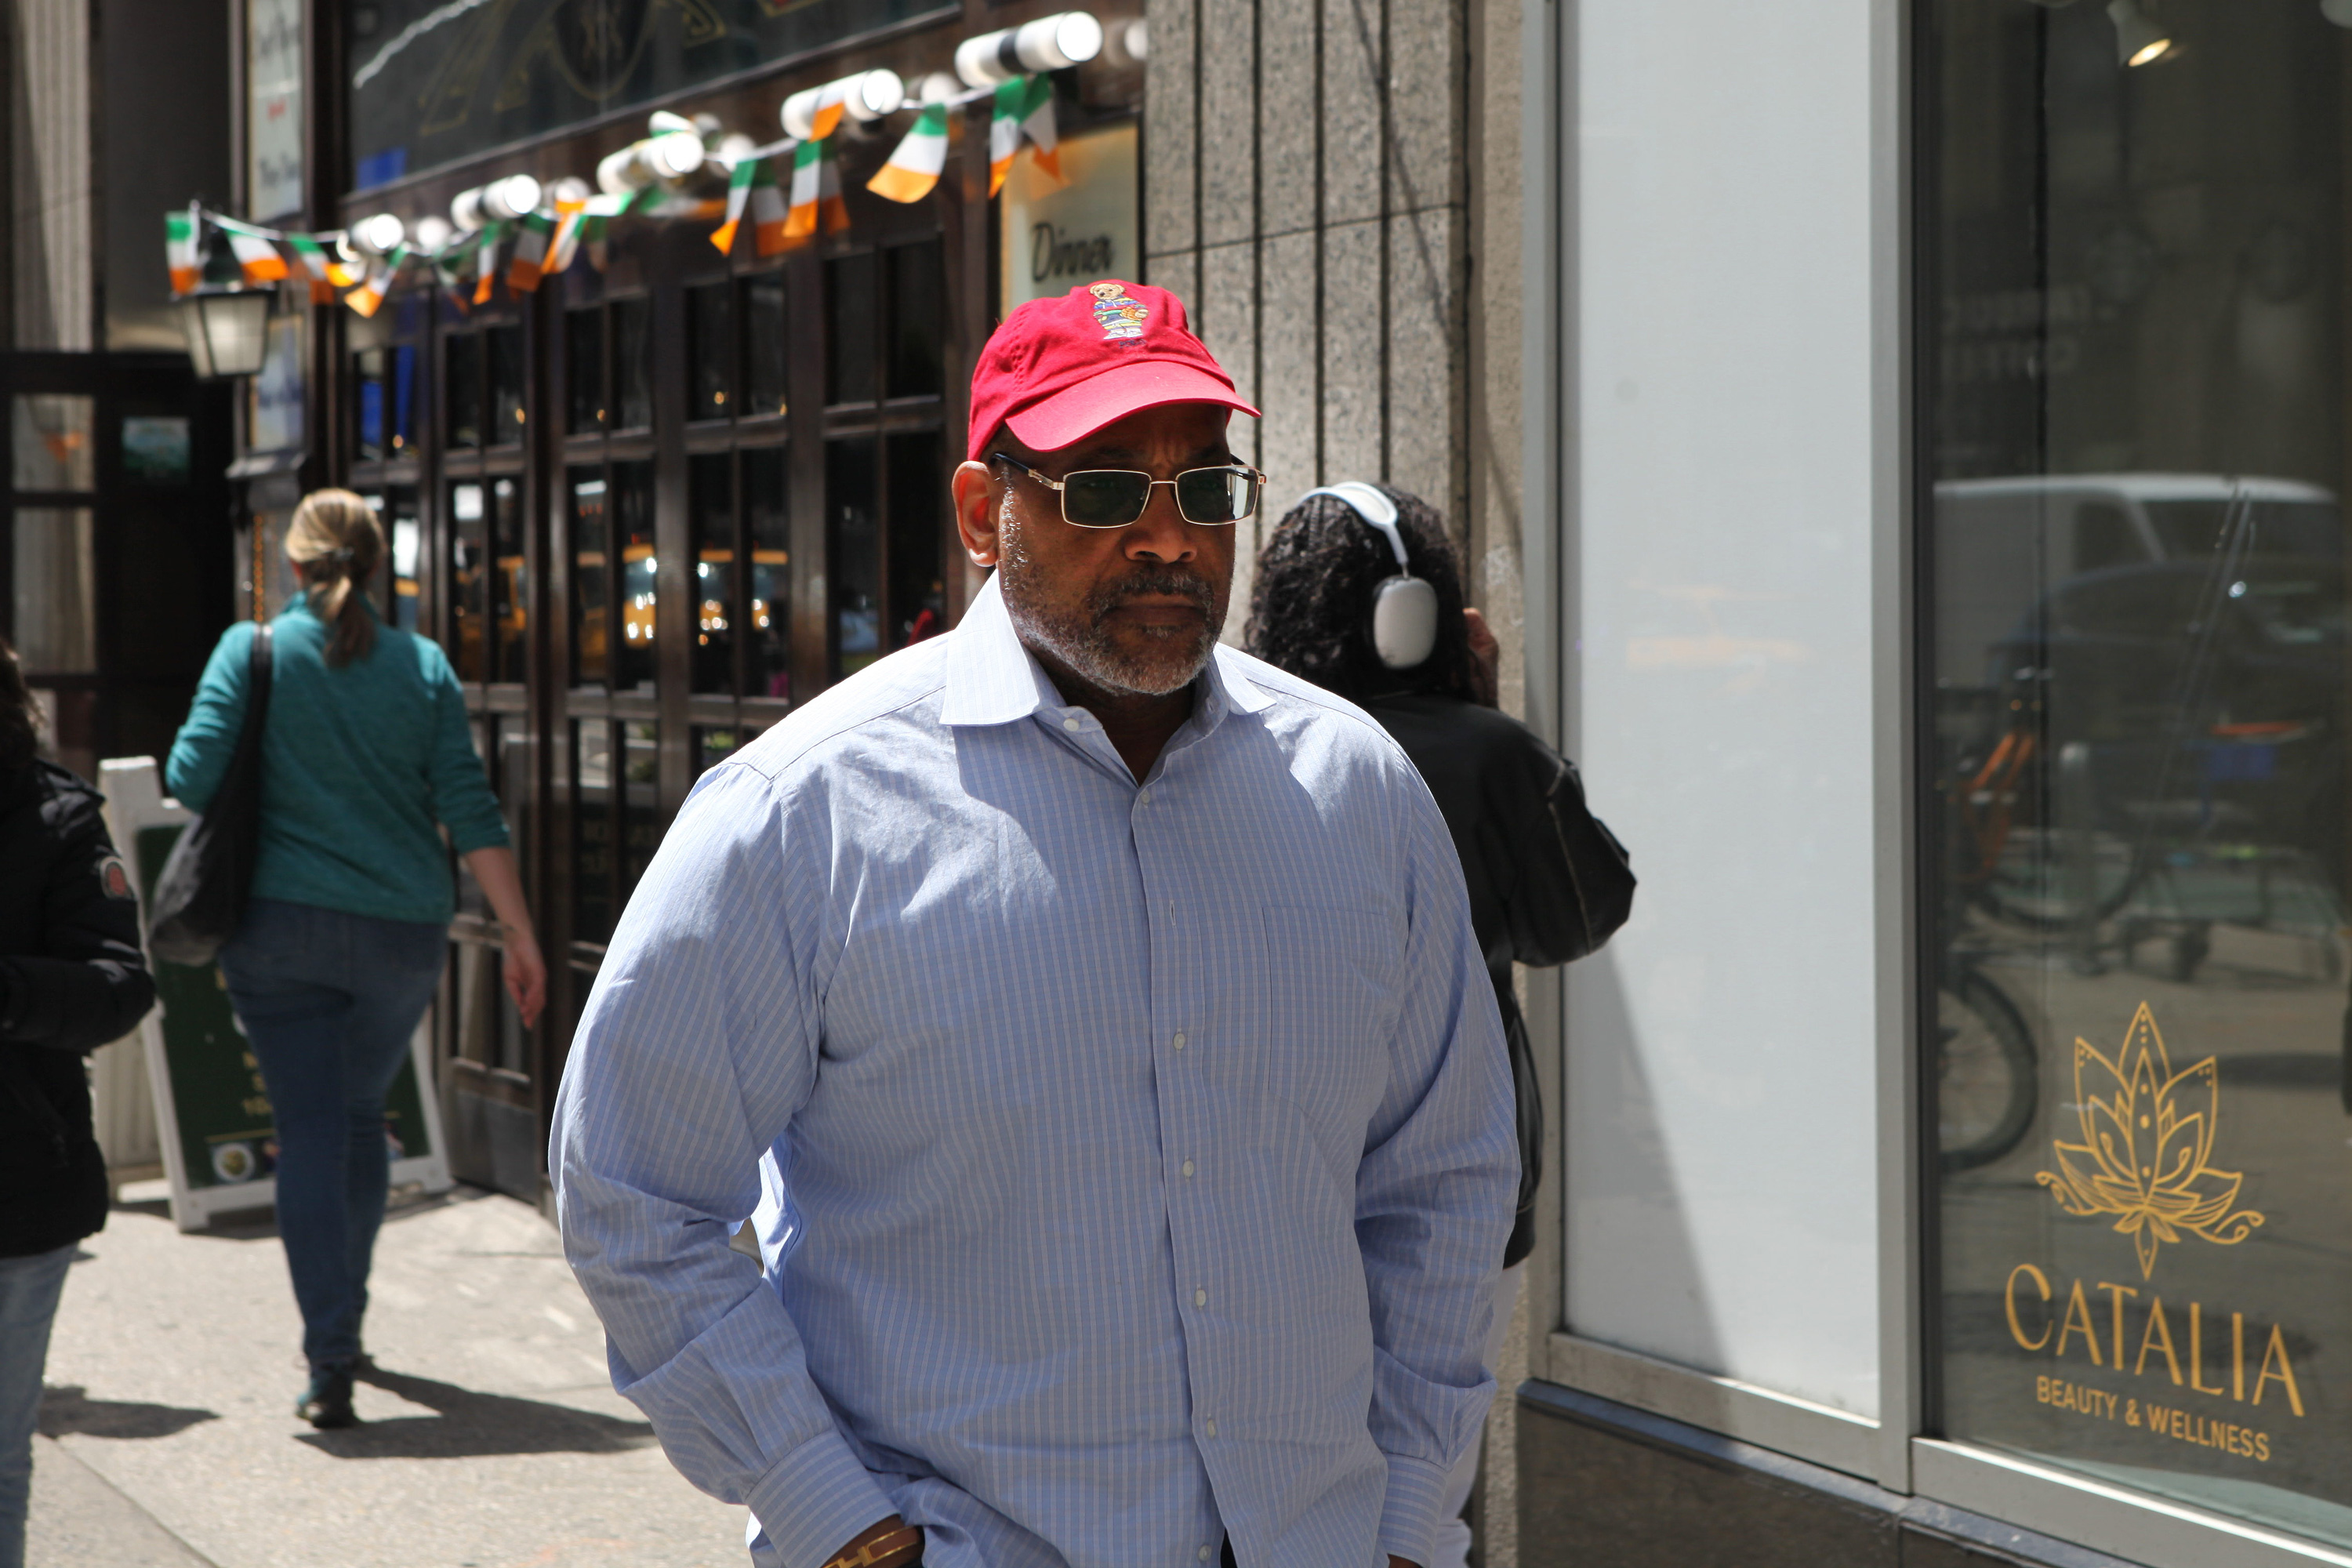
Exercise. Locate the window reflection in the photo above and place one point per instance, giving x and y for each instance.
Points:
(505, 378)
(767, 521)
(471, 570)
(54, 585)
(2141, 662)
(710, 513)
(461, 356)
(854, 553)
(917, 514)
(593, 862)
(711, 350)
(583, 369)
(851, 329)
(763, 344)
(508, 588)
(631, 494)
(592, 590)
(403, 531)
(633, 393)
(641, 794)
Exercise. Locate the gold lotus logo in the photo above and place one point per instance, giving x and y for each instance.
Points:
(2145, 1147)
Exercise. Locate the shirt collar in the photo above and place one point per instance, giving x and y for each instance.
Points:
(993, 679)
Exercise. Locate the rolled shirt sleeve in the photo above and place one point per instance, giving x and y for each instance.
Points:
(697, 1046)
(1434, 1198)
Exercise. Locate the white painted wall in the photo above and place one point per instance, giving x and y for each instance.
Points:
(1721, 1184)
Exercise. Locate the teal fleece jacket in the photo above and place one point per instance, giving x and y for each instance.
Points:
(358, 765)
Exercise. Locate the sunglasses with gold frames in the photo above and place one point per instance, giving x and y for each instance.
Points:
(1115, 498)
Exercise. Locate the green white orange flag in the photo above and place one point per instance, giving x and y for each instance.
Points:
(313, 259)
(258, 258)
(370, 294)
(768, 212)
(816, 194)
(486, 262)
(180, 250)
(1024, 111)
(445, 268)
(739, 196)
(829, 107)
(570, 218)
(531, 235)
(915, 167)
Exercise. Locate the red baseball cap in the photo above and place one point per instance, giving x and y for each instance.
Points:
(1060, 368)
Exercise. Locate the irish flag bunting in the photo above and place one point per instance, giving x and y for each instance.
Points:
(1025, 109)
(370, 294)
(829, 106)
(486, 263)
(816, 194)
(256, 256)
(313, 257)
(768, 214)
(531, 235)
(739, 196)
(915, 167)
(180, 249)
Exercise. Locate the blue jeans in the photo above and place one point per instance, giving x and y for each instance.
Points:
(329, 1000)
(29, 1287)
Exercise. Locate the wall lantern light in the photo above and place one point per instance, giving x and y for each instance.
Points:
(500, 201)
(662, 159)
(865, 98)
(1049, 44)
(2139, 41)
(2338, 11)
(378, 236)
(227, 329)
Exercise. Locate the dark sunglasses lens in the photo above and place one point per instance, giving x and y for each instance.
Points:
(1216, 495)
(1104, 498)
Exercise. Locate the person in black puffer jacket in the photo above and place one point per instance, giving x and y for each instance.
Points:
(1546, 881)
(71, 978)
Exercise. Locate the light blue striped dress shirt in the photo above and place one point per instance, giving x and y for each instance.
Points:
(1132, 1162)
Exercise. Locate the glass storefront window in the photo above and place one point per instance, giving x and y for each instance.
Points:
(631, 493)
(506, 411)
(591, 588)
(641, 821)
(53, 574)
(767, 521)
(633, 387)
(851, 307)
(852, 549)
(2137, 630)
(461, 370)
(711, 350)
(592, 830)
(52, 441)
(433, 83)
(471, 570)
(918, 512)
(918, 319)
(764, 391)
(583, 369)
(382, 388)
(710, 517)
(508, 604)
(403, 537)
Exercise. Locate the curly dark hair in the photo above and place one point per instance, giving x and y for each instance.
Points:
(20, 730)
(1311, 605)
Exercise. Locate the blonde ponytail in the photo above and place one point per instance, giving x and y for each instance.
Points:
(336, 544)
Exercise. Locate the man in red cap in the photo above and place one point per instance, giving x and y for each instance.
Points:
(1089, 1017)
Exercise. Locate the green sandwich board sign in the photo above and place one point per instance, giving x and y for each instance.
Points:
(212, 1109)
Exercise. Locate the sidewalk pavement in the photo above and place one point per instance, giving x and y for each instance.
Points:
(491, 1438)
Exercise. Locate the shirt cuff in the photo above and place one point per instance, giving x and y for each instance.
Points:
(816, 1499)
(1409, 1516)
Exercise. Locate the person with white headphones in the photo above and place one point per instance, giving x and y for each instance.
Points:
(1358, 590)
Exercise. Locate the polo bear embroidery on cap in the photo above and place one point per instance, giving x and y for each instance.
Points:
(1118, 316)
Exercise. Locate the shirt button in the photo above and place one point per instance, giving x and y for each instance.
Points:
(1204, 1554)
(1179, 1039)
(1188, 1167)
(1201, 1299)
(1212, 1428)
(1072, 722)
(1144, 798)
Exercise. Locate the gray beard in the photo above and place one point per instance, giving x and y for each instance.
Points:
(1173, 657)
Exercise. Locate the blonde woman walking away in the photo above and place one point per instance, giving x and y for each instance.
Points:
(365, 756)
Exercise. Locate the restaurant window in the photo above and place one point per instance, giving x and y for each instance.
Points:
(583, 369)
(404, 539)
(509, 592)
(766, 525)
(461, 387)
(503, 351)
(765, 344)
(2134, 939)
(592, 578)
(631, 498)
(710, 518)
(384, 402)
(632, 377)
(469, 582)
(711, 350)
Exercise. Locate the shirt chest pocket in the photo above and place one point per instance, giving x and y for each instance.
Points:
(1331, 984)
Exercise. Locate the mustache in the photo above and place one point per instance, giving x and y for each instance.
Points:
(1172, 581)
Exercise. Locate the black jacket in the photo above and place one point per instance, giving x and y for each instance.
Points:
(1516, 809)
(71, 978)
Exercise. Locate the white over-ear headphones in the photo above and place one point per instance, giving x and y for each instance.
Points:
(1404, 608)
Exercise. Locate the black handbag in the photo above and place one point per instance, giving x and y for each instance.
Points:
(200, 896)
